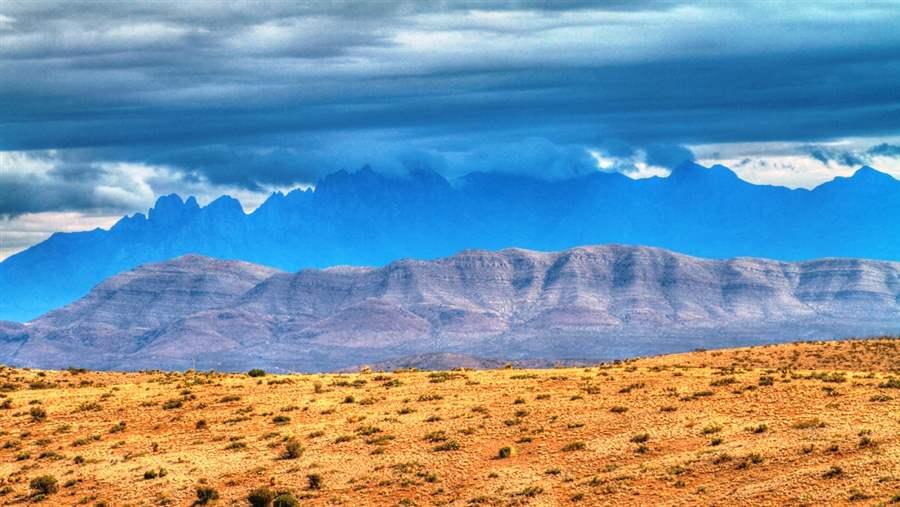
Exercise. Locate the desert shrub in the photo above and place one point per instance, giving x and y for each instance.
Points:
(891, 383)
(201, 424)
(89, 406)
(618, 409)
(834, 471)
(236, 446)
(37, 414)
(285, 500)
(314, 481)
(724, 381)
(367, 430)
(44, 485)
(857, 495)
(640, 438)
(711, 428)
(506, 452)
(261, 497)
(450, 445)
(574, 446)
(257, 372)
(349, 399)
(172, 404)
(118, 427)
(229, 398)
(805, 424)
(759, 428)
(436, 436)
(205, 495)
(531, 491)
(281, 419)
(292, 449)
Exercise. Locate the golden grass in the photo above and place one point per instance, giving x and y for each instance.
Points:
(795, 424)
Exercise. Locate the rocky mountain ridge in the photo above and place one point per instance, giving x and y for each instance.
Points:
(585, 303)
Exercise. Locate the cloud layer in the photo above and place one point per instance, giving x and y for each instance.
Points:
(107, 103)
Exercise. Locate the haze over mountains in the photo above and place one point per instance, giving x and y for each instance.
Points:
(366, 218)
(600, 302)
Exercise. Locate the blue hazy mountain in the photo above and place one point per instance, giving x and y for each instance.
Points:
(367, 218)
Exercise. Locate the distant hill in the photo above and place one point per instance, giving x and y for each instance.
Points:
(365, 218)
(586, 303)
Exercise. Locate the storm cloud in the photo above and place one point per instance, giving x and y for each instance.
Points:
(255, 96)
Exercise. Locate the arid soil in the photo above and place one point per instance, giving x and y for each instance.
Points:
(796, 424)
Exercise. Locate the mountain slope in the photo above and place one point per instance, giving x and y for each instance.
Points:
(596, 302)
(365, 218)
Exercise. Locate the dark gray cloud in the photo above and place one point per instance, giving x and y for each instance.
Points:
(843, 157)
(885, 150)
(256, 95)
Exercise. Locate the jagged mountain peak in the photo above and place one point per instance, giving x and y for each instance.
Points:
(693, 173)
(369, 218)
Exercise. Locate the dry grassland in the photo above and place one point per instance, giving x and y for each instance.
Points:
(796, 424)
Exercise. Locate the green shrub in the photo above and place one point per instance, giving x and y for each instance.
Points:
(256, 372)
(314, 481)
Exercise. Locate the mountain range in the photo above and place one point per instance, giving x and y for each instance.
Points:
(585, 303)
(368, 218)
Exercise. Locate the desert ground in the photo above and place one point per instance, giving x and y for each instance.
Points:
(795, 424)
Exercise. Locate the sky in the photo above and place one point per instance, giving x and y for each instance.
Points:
(106, 105)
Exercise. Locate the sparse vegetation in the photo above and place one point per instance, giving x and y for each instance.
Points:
(595, 435)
